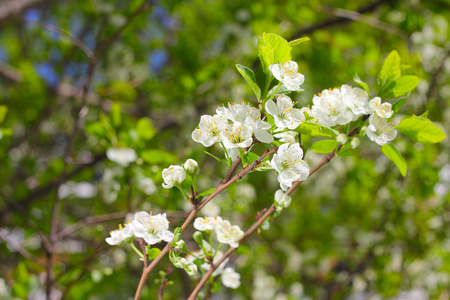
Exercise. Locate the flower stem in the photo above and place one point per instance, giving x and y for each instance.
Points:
(136, 250)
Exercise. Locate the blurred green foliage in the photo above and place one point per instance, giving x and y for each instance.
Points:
(355, 230)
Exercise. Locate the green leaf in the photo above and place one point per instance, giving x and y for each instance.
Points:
(145, 129)
(361, 83)
(396, 157)
(249, 157)
(389, 71)
(400, 86)
(206, 193)
(324, 146)
(115, 113)
(305, 141)
(154, 156)
(298, 41)
(272, 49)
(153, 253)
(316, 130)
(396, 107)
(6, 131)
(249, 76)
(421, 130)
(215, 157)
(3, 111)
(95, 128)
(424, 115)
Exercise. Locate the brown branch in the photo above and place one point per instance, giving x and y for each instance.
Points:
(248, 233)
(191, 216)
(268, 213)
(163, 283)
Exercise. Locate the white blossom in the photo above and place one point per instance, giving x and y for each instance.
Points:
(231, 278)
(237, 135)
(153, 229)
(382, 110)
(182, 263)
(330, 108)
(229, 234)
(287, 137)
(209, 130)
(284, 113)
(173, 175)
(379, 130)
(289, 163)
(248, 115)
(355, 143)
(356, 99)
(206, 223)
(191, 166)
(288, 74)
(342, 138)
(282, 199)
(122, 156)
(121, 234)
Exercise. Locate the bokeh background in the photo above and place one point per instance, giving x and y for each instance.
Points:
(355, 230)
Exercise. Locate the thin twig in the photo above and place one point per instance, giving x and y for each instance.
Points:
(163, 283)
(191, 216)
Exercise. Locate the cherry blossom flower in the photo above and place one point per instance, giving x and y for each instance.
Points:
(231, 278)
(209, 130)
(121, 234)
(237, 135)
(289, 163)
(191, 166)
(282, 199)
(122, 156)
(288, 74)
(206, 223)
(330, 108)
(173, 175)
(229, 234)
(379, 130)
(356, 99)
(287, 137)
(153, 229)
(284, 113)
(248, 115)
(382, 110)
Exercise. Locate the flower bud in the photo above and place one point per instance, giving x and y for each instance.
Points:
(191, 269)
(198, 237)
(191, 166)
(282, 199)
(342, 138)
(355, 143)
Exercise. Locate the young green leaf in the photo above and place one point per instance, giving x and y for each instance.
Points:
(206, 193)
(3, 111)
(153, 253)
(272, 49)
(115, 113)
(361, 83)
(389, 71)
(249, 76)
(297, 42)
(324, 146)
(316, 130)
(145, 129)
(396, 107)
(400, 86)
(250, 157)
(276, 90)
(393, 154)
(421, 130)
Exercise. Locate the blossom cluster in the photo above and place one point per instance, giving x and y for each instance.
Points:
(226, 233)
(153, 229)
(340, 106)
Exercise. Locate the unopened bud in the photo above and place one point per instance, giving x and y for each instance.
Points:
(355, 143)
(342, 138)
